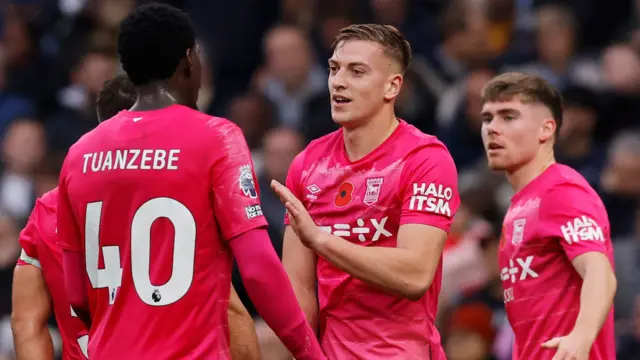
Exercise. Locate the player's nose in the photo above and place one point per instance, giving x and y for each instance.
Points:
(338, 81)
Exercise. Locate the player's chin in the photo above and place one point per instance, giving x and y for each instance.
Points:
(496, 164)
(341, 117)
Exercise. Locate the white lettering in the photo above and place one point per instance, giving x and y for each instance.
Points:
(173, 158)
(96, 161)
(430, 204)
(582, 228)
(158, 159)
(107, 162)
(121, 159)
(86, 161)
(131, 159)
(433, 198)
(520, 266)
(345, 230)
(146, 159)
(508, 295)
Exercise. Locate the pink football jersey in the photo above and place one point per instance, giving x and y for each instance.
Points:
(409, 179)
(39, 248)
(551, 221)
(150, 198)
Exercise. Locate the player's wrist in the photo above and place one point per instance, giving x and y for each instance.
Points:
(587, 336)
(320, 239)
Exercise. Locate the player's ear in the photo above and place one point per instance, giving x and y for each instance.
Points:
(188, 68)
(548, 129)
(394, 85)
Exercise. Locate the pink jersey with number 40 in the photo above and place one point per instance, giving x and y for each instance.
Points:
(409, 179)
(39, 248)
(150, 199)
(551, 221)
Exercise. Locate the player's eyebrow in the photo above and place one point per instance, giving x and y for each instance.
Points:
(349, 65)
(507, 111)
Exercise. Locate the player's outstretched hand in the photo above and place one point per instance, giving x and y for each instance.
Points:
(570, 347)
(300, 220)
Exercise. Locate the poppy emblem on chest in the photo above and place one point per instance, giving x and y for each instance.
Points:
(344, 195)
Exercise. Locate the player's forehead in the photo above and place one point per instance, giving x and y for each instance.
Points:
(357, 52)
(514, 104)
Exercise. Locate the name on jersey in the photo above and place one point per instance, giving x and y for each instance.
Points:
(582, 228)
(131, 159)
(433, 198)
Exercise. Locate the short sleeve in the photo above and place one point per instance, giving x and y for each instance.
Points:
(293, 179)
(576, 217)
(69, 235)
(29, 238)
(236, 199)
(429, 188)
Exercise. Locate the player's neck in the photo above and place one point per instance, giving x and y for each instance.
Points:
(528, 172)
(154, 96)
(359, 141)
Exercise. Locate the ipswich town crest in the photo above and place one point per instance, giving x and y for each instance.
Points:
(373, 190)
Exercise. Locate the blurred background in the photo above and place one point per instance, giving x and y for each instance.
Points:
(266, 71)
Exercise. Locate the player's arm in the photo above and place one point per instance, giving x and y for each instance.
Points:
(408, 269)
(31, 309)
(31, 302)
(299, 261)
(244, 341)
(73, 259)
(239, 215)
(300, 264)
(577, 218)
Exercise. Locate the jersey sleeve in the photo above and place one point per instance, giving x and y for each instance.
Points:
(429, 188)
(577, 218)
(236, 198)
(293, 179)
(69, 235)
(29, 238)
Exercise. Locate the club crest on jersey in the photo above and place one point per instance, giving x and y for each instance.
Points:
(373, 190)
(247, 184)
(518, 231)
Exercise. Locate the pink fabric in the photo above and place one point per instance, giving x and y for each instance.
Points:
(408, 179)
(38, 241)
(151, 199)
(272, 295)
(553, 219)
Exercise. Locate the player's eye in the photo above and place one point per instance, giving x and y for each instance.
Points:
(358, 72)
(333, 69)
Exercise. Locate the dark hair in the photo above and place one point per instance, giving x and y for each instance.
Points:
(528, 89)
(152, 41)
(394, 43)
(116, 95)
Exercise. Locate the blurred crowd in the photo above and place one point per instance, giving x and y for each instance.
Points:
(266, 71)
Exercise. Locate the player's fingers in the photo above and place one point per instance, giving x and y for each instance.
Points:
(551, 344)
(284, 193)
(293, 211)
(561, 355)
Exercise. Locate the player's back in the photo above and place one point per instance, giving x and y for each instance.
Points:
(140, 188)
(42, 248)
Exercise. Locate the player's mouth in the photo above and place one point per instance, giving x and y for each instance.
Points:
(494, 147)
(339, 100)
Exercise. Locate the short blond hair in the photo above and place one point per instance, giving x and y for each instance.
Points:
(391, 39)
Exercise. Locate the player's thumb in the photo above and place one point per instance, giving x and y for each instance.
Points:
(551, 344)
